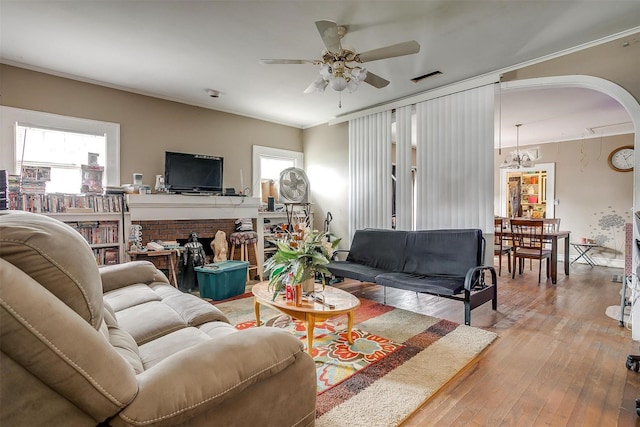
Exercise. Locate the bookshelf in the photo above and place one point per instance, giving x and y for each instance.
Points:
(102, 231)
(266, 224)
(102, 220)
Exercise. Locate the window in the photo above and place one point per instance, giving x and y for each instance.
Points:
(59, 142)
(64, 152)
(267, 165)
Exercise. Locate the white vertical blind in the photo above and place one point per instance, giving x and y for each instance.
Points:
(370, 172)
(403, 169)
(455, 160)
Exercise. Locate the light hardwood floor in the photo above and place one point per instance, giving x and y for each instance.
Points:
(558, 360)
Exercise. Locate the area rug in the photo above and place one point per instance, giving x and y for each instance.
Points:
(613, 311)
(397, 361)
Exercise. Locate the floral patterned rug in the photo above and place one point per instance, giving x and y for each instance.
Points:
(397, 361)
(336, 359)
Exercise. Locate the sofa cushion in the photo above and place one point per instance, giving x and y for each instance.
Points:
(159, 320)
(194, 311)
(438, 285)
(130, 296)
(122, 341)
(55, 256)
(225, 369)
(120, 275)
(443, 252)
(382, 249)
(360, 272)
(164, 309)
(159, 349)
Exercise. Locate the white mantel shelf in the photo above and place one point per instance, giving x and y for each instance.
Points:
(147, 207)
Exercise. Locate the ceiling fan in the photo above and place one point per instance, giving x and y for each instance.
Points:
(337, 68)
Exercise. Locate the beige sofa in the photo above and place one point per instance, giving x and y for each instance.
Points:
(120, 346)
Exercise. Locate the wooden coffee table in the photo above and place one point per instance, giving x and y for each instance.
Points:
(310, 311)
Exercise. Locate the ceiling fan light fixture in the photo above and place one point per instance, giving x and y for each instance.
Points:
(352, 85)
(325, 71)
(358, 73)
(318, 85)
(321, 84)
(338, 83)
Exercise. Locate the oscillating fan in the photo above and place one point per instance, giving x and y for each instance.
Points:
(294, 186)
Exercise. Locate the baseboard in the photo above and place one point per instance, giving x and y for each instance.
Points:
(601, 262)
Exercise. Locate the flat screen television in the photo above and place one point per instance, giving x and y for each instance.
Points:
(185, 172)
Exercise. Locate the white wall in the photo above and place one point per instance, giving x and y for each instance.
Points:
(595, 201)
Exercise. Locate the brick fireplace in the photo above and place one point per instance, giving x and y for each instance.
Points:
(180, 230)
(168, 217)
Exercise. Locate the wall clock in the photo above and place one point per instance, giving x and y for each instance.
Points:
(622, 159)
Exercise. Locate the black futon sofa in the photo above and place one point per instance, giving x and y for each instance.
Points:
(446, 263)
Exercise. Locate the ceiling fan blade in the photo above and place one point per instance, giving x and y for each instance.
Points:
(329, 32)
(288, 61)
(400, 49)
(375, 80)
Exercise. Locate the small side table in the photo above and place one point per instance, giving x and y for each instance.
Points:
(583, 251)
(169, 254)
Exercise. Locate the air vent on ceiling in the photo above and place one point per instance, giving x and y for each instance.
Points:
(425, 76)
(612, 129)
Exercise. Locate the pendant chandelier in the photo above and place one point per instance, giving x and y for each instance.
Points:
(518, 160)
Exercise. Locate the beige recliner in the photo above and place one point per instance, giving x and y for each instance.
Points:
(82, 345)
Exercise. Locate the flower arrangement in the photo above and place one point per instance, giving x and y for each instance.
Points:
(301, 253)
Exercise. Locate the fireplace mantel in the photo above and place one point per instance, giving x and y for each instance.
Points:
(145, 207)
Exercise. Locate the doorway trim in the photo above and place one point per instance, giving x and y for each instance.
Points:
(633, 108)
(601, 85)
(550, 194)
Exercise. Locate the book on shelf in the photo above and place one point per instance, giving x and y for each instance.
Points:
(114, 189)
(92, 179)
(78, 210)
(34, 178)
(67, 203)
(106, 256)
(36, 173)
(4, 190)
(110, 256)
(87, 224)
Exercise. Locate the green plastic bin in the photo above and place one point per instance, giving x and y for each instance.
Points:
(222, 280)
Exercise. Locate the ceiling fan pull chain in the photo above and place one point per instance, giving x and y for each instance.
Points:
(339, 99)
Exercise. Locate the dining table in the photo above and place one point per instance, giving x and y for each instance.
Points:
(553, 237)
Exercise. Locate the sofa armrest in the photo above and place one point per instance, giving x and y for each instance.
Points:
(336, 252)
(475, 278)
(196, 380)
(121, 275)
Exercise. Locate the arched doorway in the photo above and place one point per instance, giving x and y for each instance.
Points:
(633, 108)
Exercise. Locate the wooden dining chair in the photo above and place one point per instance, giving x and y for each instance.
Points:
(550, 225)
(499, 248)
(527, 238)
